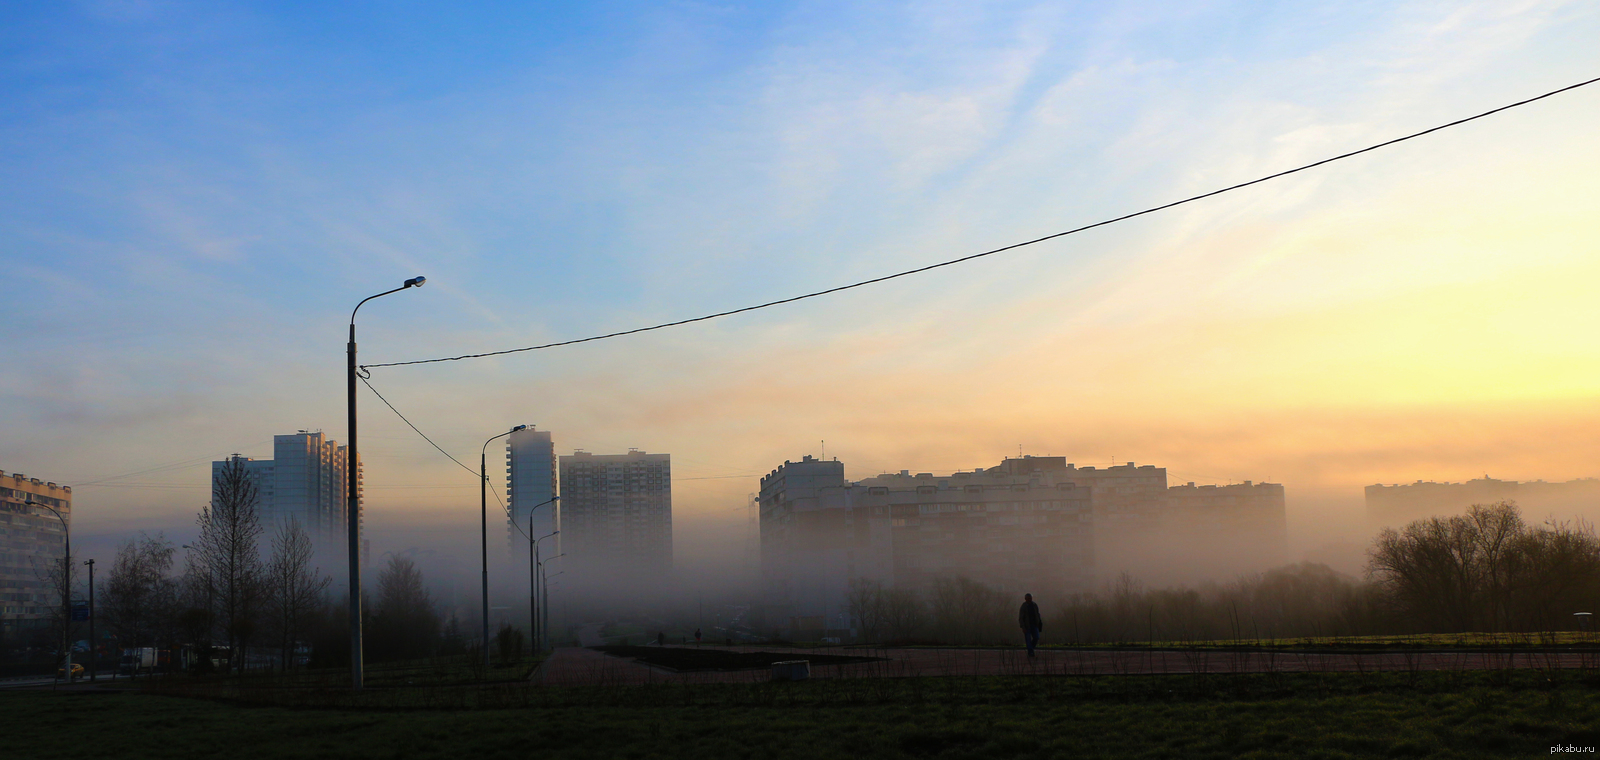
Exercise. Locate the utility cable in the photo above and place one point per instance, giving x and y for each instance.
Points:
(475, 473)
(1014, 246)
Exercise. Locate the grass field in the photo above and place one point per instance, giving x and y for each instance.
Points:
(1475, 714)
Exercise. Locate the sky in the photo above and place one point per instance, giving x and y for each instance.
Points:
(197, 194)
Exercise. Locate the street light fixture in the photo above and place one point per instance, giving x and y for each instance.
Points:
(353, 499)
(66, 587)
(483, 507)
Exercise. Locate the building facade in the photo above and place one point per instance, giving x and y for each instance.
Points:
(1395, 505)
(532, 482)
(307, 480)
(1011, 529)
(1040, 525)
(616, 512)
(32, 545)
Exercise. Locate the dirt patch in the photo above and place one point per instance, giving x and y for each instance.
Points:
(684, 660)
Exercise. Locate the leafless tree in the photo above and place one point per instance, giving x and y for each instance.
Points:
(60, 577)
(136, 600)
(1487, 570)
(864, 602)
(294, 588)
(967, 611)
(404, 623)
(228, 554)
(904, 614)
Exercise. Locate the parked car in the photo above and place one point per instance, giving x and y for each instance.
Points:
(77, 671)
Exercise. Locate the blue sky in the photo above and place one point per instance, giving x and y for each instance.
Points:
(198, 193)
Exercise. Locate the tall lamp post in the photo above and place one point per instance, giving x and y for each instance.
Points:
(545, 594)
(353, 499)
(538, 630)
(483, 507)
(533, 584)
(66, 588)
(94, 666)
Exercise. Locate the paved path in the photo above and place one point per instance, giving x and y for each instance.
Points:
(573, 666)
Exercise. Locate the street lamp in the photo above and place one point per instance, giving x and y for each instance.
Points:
(545, 593)
(483, 506)
(66, 587)
(544, 596)
(353, 502)
(533, 585)
(94, 666)
(534, 578)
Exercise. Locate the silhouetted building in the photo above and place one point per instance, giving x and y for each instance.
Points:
(1396, 505)
(32, 544)
(1007, 529)
(306, 479)
(1040, 524)
(531, 481)
(616, 512)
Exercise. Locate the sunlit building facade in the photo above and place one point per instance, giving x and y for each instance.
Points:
(32, 545)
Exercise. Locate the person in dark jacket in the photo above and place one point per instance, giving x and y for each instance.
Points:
(1032, 624)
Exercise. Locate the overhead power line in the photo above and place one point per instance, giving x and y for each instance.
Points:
(1014, 246)
(475, 474)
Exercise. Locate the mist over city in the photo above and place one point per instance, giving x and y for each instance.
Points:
(523, 360)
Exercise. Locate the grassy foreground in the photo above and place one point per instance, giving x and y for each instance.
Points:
(1344, 716)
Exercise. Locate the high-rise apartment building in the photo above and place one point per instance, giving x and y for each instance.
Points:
(32, 543)
(1395, 505)
(1015, 531)
(306, 479)
(616, 511)
(1029, 524)
(531, 481)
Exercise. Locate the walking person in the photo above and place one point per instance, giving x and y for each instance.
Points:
(1030, 621)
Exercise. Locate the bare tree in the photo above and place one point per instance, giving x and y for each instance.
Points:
(904, 614)
(404, 622)
(967, 611)
(228, 553)
(60, 577)
(294, 588)
(136, 599)
(864, 603)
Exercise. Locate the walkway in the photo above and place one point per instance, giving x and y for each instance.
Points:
(574, 666)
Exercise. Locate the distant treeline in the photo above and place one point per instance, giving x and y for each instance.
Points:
(1487, 570)
(231, 607)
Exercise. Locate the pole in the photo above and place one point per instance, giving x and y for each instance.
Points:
(94, 666)
(353, 511)
(533, 589)
(66, 598)
(483, 511)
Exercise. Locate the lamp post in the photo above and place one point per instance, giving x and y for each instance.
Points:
(545, 593)
(66, 588)
(94, 667)
(352, 497)
(533, 580)
(483, 507)
(544, 596)
(533, 586)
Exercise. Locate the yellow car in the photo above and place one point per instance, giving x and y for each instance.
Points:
(77, 672)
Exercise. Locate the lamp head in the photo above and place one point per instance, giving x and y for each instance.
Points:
(519, 427)
(416, 282)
